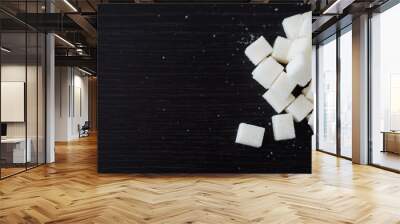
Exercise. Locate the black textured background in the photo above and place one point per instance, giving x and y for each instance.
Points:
(174, 84)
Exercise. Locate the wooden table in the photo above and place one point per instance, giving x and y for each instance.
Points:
(391, 141)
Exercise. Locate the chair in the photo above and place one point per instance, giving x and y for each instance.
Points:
(84, 130)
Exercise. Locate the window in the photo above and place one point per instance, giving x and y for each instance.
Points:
(346, 93)
(334, 106)
(385, 89)
(327, 96)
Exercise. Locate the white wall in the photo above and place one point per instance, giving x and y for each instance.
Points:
(62, 82)
(80, 110)
(17, 73)
(9, 73)
(71, 102)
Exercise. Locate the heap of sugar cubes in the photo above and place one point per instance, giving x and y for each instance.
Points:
(279, 70)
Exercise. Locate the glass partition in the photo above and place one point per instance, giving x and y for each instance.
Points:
(14, 153)
(327, 96)
(31, 99)
(346, 93)
(22, 101)
(385, 89)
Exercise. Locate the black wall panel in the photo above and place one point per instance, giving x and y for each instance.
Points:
(174, 84)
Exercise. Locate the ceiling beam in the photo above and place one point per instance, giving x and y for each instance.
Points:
(82, 61)
(86, 27)
(79, 20)
(337, 7)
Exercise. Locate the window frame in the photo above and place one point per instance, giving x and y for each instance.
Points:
(333, 37)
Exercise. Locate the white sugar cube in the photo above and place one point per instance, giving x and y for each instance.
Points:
(267, 71)
(258, 50)
(276, 101)
(283, 127)
(300, 108)
(308, 92)
(302, 45)
(281, 49)
(283, 86)
(299, 70)
(306, 27)
(291, 25)
(250, 135)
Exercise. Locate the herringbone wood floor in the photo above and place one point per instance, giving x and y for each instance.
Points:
(71, 191)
